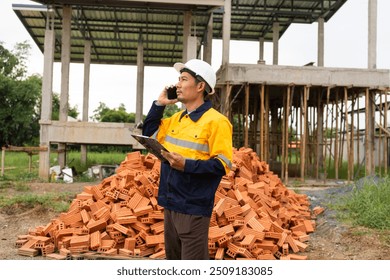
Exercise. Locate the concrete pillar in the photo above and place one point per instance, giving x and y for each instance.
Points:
(47, 94)
(321, 42)
(186, 34)
(65, 62)
(192, 47)
(227, 15)
(47, 79)
(189, 42)
(372, 32)
(261, 51)
(208, 44)
(65, 66)
(275, 40)
(140, 83)
(87, 68)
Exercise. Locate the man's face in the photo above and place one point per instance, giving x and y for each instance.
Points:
(187, 88)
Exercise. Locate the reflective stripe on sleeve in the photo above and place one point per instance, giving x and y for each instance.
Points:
(225, 160)
(154, 136)
(187, 144)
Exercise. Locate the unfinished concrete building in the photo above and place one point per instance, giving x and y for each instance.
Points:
(306, 122)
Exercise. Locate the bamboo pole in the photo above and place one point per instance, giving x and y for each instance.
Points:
(267, 123)
(309, 141)
(279, 141)
(291, 119)
(246, 120)
(347, 132)
(312, 143)
(262, 120)
(283, 131)
(286, 133)
(331, 133)
(325, 139)
(368, 146)
(304, 132)
(274, 131)
(372, 131)
(336, 140)
(297, 141)
(2, 161)
(380, 155)
(352, 150)
(385, 152)
(343, 130)
(358, 131)
(316, 141)
(240, 125)
(301, 128)
(383, 129)
(252, 109)
(29, 162)
(320, 134)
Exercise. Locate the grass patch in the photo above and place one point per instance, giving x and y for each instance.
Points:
(94, 158)
(56, 202)
(368, 205)
(17, 164)
(14, 185)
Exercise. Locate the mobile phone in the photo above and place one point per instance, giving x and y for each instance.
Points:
(172, 92)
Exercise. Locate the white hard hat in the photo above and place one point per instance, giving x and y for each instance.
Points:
(200, 68)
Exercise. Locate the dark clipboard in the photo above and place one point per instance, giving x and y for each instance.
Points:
(151, 144)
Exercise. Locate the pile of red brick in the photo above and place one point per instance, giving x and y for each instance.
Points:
(255, 216)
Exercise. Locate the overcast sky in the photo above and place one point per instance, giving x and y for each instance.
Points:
(345, 46)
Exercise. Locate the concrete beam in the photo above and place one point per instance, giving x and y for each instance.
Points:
(303, 75)
(92, 133)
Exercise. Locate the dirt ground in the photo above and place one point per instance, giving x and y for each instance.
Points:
(332, 240)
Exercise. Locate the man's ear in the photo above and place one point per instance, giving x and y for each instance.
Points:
(202, 86)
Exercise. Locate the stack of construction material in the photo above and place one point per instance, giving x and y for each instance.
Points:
(255, 216)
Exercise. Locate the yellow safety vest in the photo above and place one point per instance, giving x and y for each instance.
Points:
(208, 137)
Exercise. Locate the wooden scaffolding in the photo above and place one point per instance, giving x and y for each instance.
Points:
(307, 131)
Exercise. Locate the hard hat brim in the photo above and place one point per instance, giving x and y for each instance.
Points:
(179, 66)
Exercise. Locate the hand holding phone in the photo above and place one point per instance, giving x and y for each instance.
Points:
(171, 92)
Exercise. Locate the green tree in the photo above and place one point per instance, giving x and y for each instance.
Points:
(13, 63)
(19, 110)
(19, 102)
(118, 115)
(170, 110)
(55, 115)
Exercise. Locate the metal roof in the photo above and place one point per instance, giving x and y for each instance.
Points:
(115, 28)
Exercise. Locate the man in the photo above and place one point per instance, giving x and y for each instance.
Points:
(199, 141)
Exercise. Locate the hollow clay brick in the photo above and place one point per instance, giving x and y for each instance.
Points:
(255, 216)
